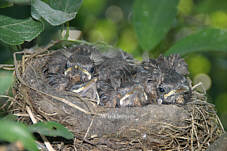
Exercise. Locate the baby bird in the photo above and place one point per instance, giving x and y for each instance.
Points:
(80, 66)
(165, 80)
(116, 68)
(132, 95)
(114, 79)
(54, 71)
(128, 95)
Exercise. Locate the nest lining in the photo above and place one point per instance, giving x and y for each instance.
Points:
(193, 126)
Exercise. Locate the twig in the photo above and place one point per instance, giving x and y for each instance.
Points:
(5, 104)
(219, 121)
(21, 114)
(97, 95)
(201, 85)
(68, 103)
(7, 67)
(88, 128)
(6, 96)
(46, 142)
(203, 118)
(45, 48)
(192, 131)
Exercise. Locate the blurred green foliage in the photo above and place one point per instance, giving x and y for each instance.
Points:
(198, 64)
(6, 78)
(103, 30)
(221, 104)
(185, 7)
(111, 21)
(218, 19)
(51, 129)
(12, 131)
(152, 20)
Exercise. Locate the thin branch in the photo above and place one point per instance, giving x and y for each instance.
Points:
(46, 142)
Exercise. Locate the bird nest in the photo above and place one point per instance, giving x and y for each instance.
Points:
(192, 126)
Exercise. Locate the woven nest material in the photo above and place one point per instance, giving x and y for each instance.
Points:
(193, 126)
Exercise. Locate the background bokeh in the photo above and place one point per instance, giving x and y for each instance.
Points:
(110, 21)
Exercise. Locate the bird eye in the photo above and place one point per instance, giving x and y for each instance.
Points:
(161, 90)
(92, 70)
(149, 81)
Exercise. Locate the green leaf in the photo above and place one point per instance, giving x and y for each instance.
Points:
(6, 79)
(16, 31)
(206, 40)
(68, 6)
(18, 2)
(4, 4)
(55, 12)
(152, 19)
(51, 129)
(9, 117)
(12, 131)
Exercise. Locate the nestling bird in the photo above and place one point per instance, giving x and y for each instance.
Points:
(166, 80)
(86, 89)
(128, 95)
(115, 79)
(80, 65)
(80, 68)
(107, 94)
(54, 71)
(116, 68)
(132, 95)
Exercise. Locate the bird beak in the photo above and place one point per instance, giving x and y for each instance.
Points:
(169, 94)
(84, 71)
(67, 71)
(182, 89)
(86, 86)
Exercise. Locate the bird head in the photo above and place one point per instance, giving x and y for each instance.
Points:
(173, 86)
(173, 89)
(165, 80)
(80, 65)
